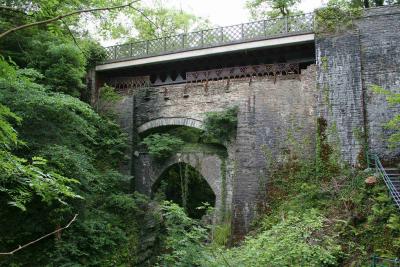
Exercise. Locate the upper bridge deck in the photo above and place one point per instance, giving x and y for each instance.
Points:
(266, 33)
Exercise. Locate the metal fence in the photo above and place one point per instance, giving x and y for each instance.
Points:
(258, 30)
(376, 163)
(384, 262)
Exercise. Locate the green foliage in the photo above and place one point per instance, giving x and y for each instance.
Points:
(183, 242)
(162, 145)
(394, 123)
(297, 240)
(78, 143)
(220, 127)
(94, 53)
(167, 21)
(262, 9)
(222, 234)
(20, 179)
(336, 16)
(108, 98)
(185, 186)
(63, 67)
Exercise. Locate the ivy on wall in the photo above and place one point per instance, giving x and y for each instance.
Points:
(220, 127)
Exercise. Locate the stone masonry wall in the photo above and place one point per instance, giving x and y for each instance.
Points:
(270, 115)
(380, 50)
(340, 99)
(348, 63)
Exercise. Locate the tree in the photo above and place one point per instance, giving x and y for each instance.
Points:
(21, 179)
(260, 9)
(157, 21)
(54, 18)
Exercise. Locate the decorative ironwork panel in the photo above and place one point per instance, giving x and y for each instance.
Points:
(300, 23)
(273, 71)
(123, 51)
(212, 37)
(253, 30)
(174, 43)
(233, 33)
(128, 84)
(275, 27)
(193, 40)
(156, 46)
(139, 49)
(110, 52)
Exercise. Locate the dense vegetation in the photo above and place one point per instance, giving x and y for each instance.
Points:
(60, 157)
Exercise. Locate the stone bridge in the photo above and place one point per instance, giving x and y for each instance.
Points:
(209, 165)
(282, 81)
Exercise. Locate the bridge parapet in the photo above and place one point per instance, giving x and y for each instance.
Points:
(252, 31)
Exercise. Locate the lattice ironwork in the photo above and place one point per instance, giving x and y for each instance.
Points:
(255, 30)
(213, 37)
(128, 84)
(272, 71)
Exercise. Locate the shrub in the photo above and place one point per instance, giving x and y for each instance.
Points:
(162, 145)
(220, 127)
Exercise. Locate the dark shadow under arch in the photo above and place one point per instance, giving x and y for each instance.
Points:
(171, 182)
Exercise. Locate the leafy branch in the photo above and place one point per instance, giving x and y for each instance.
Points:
(59, 17)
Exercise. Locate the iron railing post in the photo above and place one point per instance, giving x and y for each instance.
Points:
(115, 52)
(183, 40)
(202, 38)
(147, 47)
(286, 24)
(165, 44)
(265, 28)
(131, 50)
(242, 30)
(222, 34)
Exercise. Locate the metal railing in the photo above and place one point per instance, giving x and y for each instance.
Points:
(257, 30)
(376, 163)
(384, 262)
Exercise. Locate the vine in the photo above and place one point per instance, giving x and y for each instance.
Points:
(223, 189)
(220, 127)
(184, 185)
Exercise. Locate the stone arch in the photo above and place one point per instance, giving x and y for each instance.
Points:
(208, 165)
(178, 121)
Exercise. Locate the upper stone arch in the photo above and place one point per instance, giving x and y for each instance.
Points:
(178, 121)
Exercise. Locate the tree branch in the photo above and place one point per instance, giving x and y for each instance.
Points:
(146, 17)
(40, 238)
(47, 21)
(72, 35)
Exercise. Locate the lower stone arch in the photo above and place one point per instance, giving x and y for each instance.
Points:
(183, 184)
(176, 121)
(208, 165)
